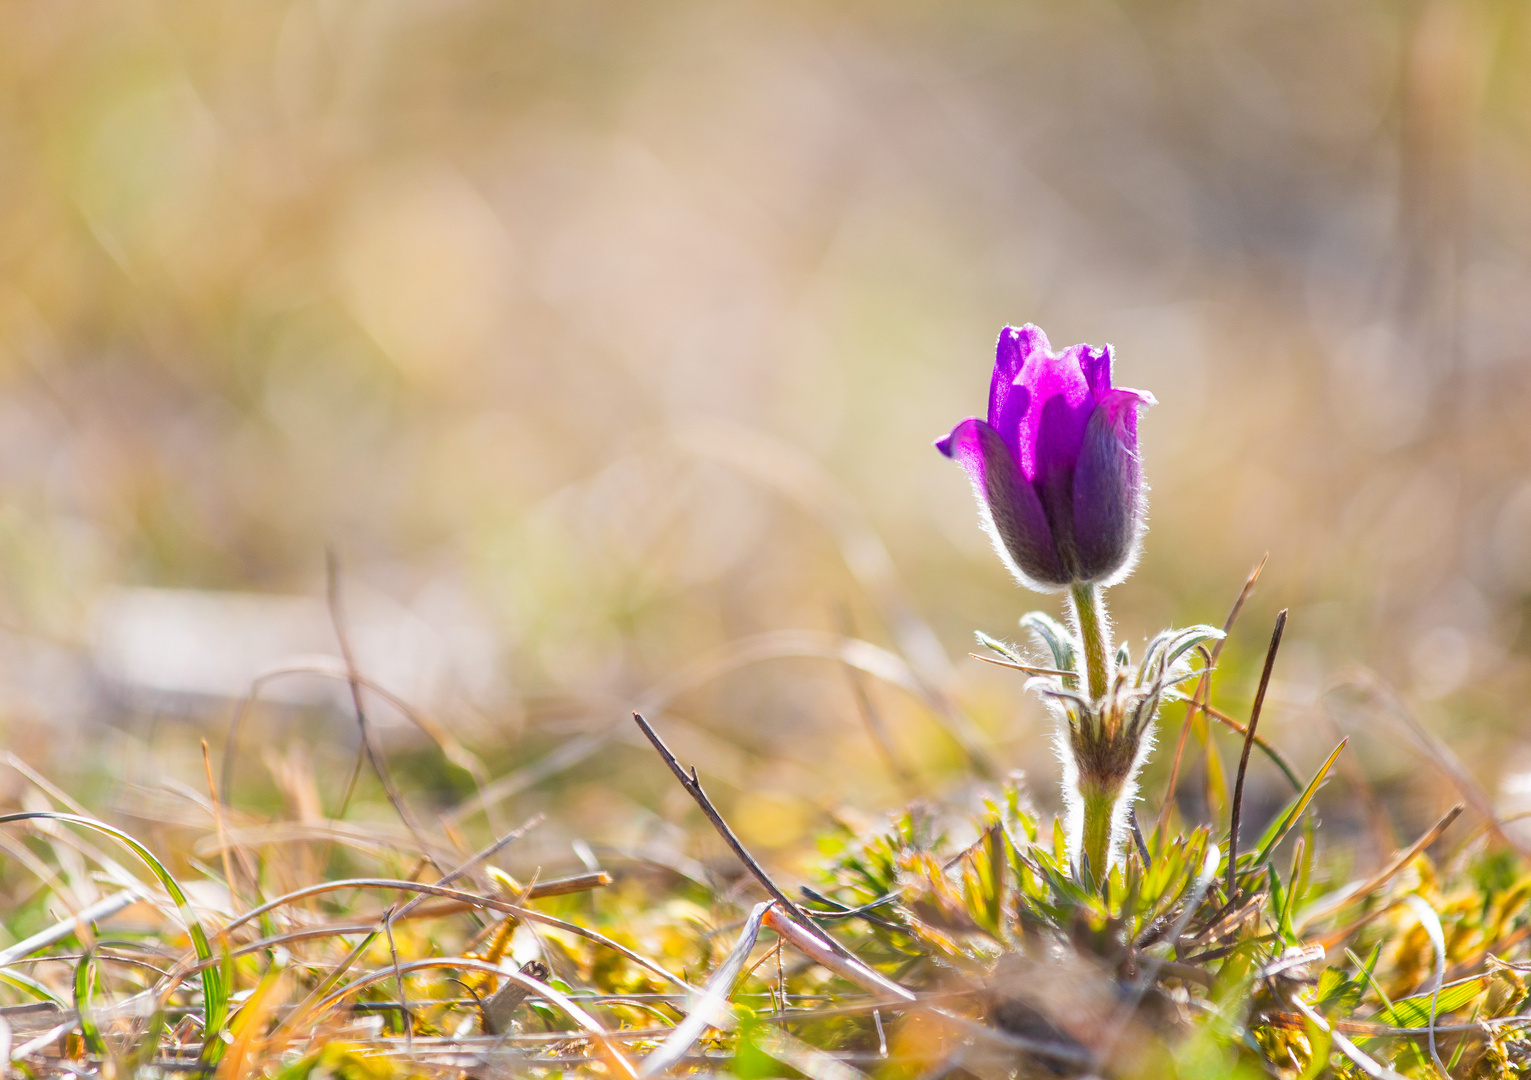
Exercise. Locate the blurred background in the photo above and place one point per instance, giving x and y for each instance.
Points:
(604, 344)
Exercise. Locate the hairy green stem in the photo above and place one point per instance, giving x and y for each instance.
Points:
(1089, 605)
(1098, 794)
(1096, 842)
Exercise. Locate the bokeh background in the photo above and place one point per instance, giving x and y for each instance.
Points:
(604, 345)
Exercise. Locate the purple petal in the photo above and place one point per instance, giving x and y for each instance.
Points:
(1008, 505)
(1121, 406)
(1009, 401)
(1096, 365)
(1053, 427)
(1108, 488)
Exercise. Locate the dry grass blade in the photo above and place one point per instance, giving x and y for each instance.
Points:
(1330, 904)
(374, 753)
(848, 967)
(217, 812)
(812, 1062)
(464, 898)
(1432, 925)
(1364, 1061)
(855, 653)
(567, 886)
(1437, 753)
(43, 784)
(247, 1026)
(330, 668)
(1203, 689)
(103, 909)
(709, 1008)
(507, 972)
(1276, 757)
(1249, 737)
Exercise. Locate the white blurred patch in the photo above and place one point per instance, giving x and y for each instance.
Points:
(1514, 800)
(525, 946)
(1442, 660)
(171, 644)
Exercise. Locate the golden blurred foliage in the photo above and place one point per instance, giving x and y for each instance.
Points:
(600, 337)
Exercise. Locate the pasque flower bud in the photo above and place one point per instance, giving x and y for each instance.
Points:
(1060, 489)
(1055, 467)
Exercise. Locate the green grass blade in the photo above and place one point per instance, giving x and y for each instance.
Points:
(214, 988)
(1284, 822)
(1414, 1012)
(84, 973)
(31, 986)
(147, 1046)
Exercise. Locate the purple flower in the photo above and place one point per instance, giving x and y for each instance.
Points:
(1056, 467)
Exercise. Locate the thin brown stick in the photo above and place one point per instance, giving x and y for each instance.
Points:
(1204, 688)
(689, 780)
(1249, 738)
(539, 891)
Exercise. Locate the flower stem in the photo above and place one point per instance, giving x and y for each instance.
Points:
(1095, 632)
(1099, 807)
(1097, 793)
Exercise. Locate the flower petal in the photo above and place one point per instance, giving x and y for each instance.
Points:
(1008, 402)
(1108, 489)
(1121, 406)
(1096, 365)
(1008, 505)
(1053, 428)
